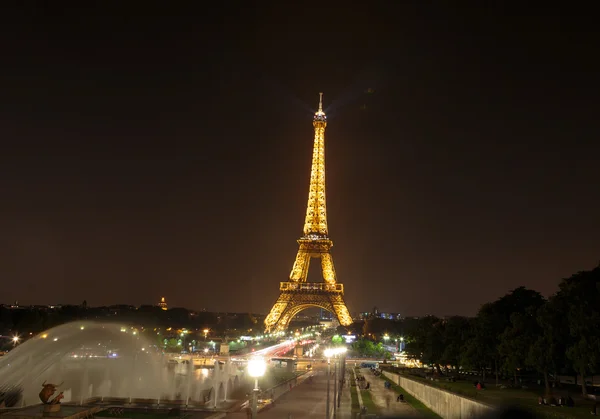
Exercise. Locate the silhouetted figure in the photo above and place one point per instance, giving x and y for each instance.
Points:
(570, 402)
(512, 413)
(400, 398)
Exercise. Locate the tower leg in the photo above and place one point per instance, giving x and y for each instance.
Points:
(292, 302)
(279, 308)
(300, 268)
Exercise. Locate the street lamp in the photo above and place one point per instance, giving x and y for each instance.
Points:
(15, 339)
(205, 333)
(329, 353)
(256, 369)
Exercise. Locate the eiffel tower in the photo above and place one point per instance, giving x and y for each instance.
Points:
(297, 294)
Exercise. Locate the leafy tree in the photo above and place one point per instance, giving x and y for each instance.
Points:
(457, 332)
(492, 320)
(426, 341)
(581, 296)
(368, 348)
(172, 345)
(517, 340)
(547, 353)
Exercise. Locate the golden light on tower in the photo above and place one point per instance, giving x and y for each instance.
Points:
(162, 304)
(298, 294)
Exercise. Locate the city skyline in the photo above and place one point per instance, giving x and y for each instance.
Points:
(169, 155)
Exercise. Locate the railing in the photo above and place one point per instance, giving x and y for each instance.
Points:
(311, 286)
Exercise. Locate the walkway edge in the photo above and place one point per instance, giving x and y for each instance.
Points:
(360, 402)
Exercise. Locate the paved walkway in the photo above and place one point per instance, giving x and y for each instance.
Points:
(385, 399)
(306, 400)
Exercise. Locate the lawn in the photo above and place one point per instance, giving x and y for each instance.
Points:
(415, 403)
(368, 402)
(354, 397)
(502, 397)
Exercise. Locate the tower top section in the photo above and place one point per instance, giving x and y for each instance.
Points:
(320, 115)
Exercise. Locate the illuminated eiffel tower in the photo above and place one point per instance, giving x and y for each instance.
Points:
(297, 294)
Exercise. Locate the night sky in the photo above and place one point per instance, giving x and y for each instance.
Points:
(153, 151)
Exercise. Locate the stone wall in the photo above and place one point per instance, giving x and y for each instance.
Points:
(447, 405)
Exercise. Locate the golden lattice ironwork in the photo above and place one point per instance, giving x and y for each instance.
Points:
(298, 294)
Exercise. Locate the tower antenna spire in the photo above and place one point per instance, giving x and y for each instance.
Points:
(321, 102)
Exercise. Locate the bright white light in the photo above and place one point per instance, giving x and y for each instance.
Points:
(257, 367)
(15, 339)
(205, 350)
(329, 352)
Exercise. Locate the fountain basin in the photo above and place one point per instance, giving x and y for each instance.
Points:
(40, 411)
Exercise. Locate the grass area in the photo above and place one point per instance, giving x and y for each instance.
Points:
(368, 402)
(503, 397)
(355, 407)
(415, 403)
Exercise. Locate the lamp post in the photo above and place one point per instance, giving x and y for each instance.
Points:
(205, 331)
(256, 369)
(337, 389)
(328, 353)
(15, 339)
(342, 373)
(335, 386)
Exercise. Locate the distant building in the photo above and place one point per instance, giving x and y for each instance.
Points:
(376, 314)
(162, 304)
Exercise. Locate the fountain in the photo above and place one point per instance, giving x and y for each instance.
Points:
(102, 363)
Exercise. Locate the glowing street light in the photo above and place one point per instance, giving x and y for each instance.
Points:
(256, 369)
(329, 353)
(15, 339)
(205, 331)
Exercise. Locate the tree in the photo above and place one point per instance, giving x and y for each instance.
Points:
(457, 332)
(547, 353)
(172, 345)
(425, 341)
(491, 322)
(368, 348)
(580, 295)
(518, 339)
(337, 339)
